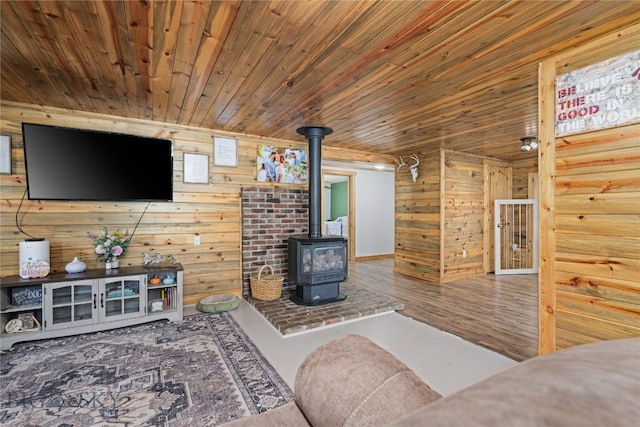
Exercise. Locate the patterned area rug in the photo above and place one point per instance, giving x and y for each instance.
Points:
(203, 371)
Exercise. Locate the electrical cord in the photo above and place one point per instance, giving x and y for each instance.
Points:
(39, 238)
(139, 219)
(18, 223)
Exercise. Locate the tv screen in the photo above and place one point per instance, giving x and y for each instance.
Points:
(74, 164)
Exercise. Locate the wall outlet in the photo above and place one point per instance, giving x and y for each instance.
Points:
(464, 253)
(196, 240)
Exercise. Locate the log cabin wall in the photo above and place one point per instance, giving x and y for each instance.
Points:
(211, 211)
(417, 220)
(589, 216)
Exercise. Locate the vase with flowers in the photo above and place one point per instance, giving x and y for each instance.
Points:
(109, 245)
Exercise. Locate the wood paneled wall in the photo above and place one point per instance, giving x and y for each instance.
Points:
(522, 173)
(597, 236)
(443, 214)
(418, 220)
(463, 214)
(589, 217)
(211, 211)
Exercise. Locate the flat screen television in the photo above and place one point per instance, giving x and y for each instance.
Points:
(73, 164)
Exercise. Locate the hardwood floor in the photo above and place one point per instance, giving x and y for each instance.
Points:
(497, 312)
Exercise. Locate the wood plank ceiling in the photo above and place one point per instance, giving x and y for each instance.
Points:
(391, 76)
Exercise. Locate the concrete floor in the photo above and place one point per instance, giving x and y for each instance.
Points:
(446, 362)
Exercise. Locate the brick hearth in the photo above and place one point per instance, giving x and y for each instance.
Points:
(288, 317)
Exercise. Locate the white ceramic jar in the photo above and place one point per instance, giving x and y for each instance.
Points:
(75, 266)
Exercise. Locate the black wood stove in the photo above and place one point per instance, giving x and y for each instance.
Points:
(317, 264)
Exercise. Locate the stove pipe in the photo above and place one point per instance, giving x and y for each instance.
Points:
(314, 135)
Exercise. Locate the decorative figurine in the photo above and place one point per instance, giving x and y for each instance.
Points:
(147, 259)
(158, 259)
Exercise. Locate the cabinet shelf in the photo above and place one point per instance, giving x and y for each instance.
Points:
(35, 331)
(150, 287)
(131, 295)
(12, 309)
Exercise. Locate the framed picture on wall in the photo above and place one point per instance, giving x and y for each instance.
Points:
(5, 154)
(225, 151)
(196, 168)
(281, 165)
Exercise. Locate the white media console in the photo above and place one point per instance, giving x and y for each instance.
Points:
(62, 304)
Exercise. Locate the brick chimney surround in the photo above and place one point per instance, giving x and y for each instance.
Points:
(269, 216)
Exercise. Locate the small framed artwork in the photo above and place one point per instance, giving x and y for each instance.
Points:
(5, 154)
(225, 151)
(156, 305)
(282, 165)
(24, 296)
(196, 168)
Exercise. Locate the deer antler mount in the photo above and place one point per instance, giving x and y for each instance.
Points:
(412, 168)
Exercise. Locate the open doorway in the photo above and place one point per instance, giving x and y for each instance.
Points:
(338, 206)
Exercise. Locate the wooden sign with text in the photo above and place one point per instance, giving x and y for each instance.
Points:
(600, 96)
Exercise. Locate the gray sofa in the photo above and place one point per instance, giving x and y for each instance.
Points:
(351, 381)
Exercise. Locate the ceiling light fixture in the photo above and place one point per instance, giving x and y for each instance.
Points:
(528, 143)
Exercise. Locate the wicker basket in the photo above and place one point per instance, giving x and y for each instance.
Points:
(266, 287)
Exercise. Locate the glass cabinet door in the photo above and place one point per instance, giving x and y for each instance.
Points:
(121, 298)
(71, 304)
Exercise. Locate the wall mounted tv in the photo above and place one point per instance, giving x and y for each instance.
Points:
(73, 164)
